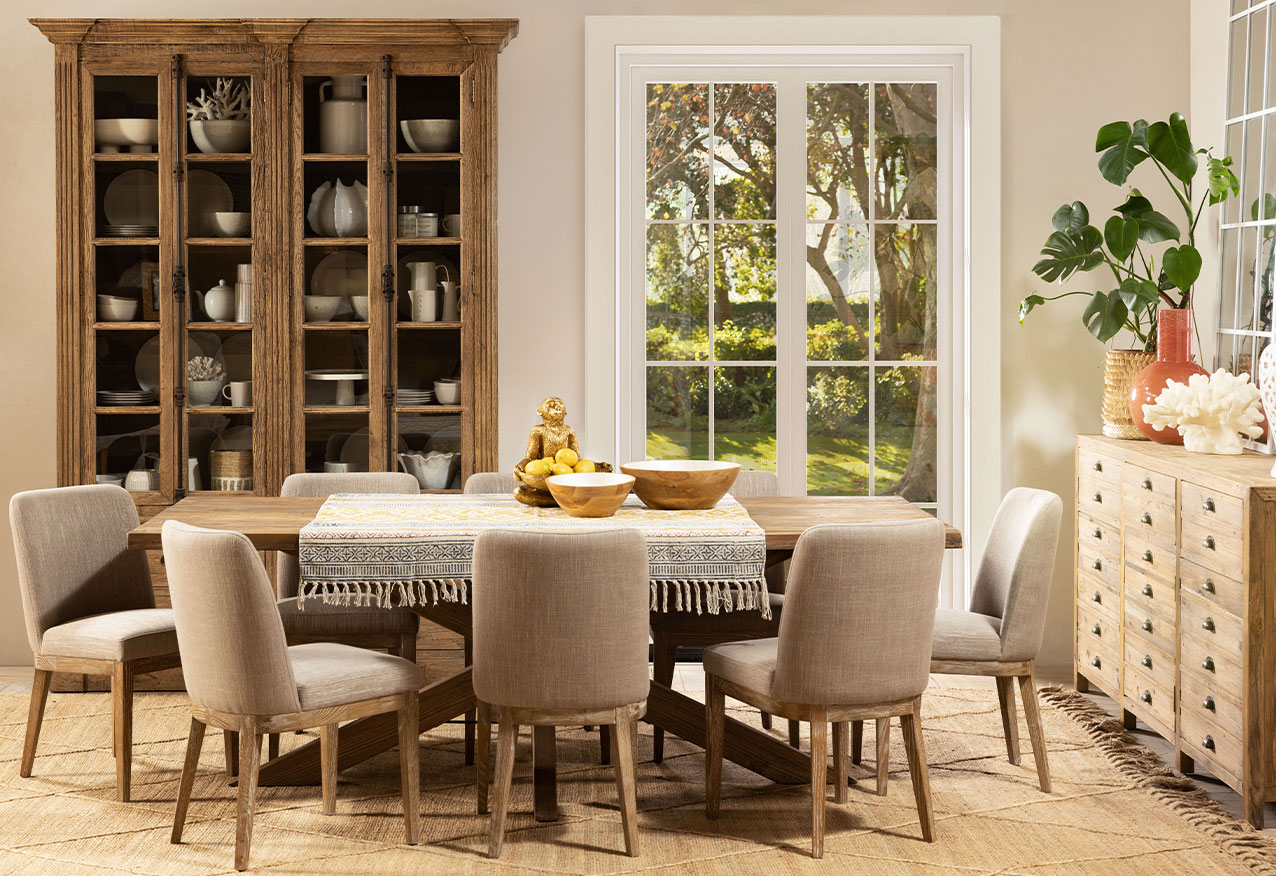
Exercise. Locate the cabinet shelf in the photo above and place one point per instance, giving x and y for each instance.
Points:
(218, 409)
(334, 241)
(126, 241)
(430, 409)
(335, 326)
(413, 157)
(219, 241)
(127, 409)
(125, 157)
(336, 409)
(435, 326)
(217, 157)
(333, 156)
(428, 241)
(211, 326)
(126, 326)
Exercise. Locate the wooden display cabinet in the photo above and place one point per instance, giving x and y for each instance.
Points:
(134, 222)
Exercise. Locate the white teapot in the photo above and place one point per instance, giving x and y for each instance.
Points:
(218, 302)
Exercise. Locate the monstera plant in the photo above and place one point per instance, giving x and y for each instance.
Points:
(1146, 259)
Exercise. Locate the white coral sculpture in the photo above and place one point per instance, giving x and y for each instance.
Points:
(1211, 412)
(229, 101)
(201, 368)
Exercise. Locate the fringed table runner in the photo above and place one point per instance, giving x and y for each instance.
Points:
(396, 550)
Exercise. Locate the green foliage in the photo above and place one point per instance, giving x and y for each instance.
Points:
(1074, 246)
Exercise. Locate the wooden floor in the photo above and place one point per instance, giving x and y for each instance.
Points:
(690, 677)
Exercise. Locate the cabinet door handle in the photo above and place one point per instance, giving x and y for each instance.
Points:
(1208, 703)
(1146, 696)
(1146, 518)
(1098, 466)
(1208, 624)
(1097, 565)
(1147, 556)
(1147, 660)
(1209, 542)
(1096, 663)
(1097, 629)
(1147, 625)
(1208, 505)
(1208, 743)
(1208, 586)
(1147, 484)
(1208, 664)
(1147, 590)
(1097, 597)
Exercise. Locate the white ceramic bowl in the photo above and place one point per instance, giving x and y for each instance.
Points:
(322, 308)
(111, 308)
(126, 132)
(221, 135)
(115, 479)
(681, 484)
(432, 135)
(447, 393)
(230, 224)
(360, 305)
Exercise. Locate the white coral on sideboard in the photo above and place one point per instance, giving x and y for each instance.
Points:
(1211, 412)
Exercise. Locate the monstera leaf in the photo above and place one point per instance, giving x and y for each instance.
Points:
(1171, 144)
(1126, 147)
(1136, 293)
(1122, 236)
(1071, 217)
(1221, 180)
(1105, 315)
(1067, 252)
(1182, 264)
(1154, 227)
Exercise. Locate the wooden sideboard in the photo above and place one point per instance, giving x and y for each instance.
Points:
(1174, 612)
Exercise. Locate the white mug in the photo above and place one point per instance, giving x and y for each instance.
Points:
(452, 225)
(239, 393)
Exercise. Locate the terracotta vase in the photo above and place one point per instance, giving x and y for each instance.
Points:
(1173, 362)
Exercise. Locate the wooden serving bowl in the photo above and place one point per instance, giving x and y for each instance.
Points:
(592, 494)
(681, 484)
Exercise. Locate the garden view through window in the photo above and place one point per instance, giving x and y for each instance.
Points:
(717, 341)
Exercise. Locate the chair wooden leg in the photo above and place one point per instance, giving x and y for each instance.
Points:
(471, 717)
(883, 754)
(407, 647)
(506, 737)
(857, 742)
(122, 713)
(194, 743)
(483, 772)
(604, 744)
(328, 767)
(819, 778)
(1009, 721)
(715, 706)
(232, 753)
(911, 728)
(35, 717)
(841, 753)
(249, 763)
(272, 746)
(767, 723)
(626, 785)
(1028, 693)
(664, 661)
(795, 733)
(410, 766)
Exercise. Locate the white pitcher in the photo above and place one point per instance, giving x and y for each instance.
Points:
(451, 301)
(425, 275)
(343, 117)
(425, 305)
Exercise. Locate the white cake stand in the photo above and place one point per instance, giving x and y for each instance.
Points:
(344, 379)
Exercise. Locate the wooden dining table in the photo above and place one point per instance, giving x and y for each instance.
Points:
(273, 524)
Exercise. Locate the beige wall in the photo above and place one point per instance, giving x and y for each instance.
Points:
(1059, 64)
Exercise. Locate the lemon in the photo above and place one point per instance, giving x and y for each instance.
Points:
(548, 460)
(566, 456)
(537, 467)
(562, 468)
(583, 467)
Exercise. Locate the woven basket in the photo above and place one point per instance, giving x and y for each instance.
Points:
(231, 463)
(1119, 369)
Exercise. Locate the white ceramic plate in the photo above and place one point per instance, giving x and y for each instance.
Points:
(404, 276)
(342, 273)
(132, 198)
(147, 369)
(206, 192)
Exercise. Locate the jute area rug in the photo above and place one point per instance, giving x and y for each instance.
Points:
(1113, 811)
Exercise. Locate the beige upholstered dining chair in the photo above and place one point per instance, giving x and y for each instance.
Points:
(854, 643)
(490, 482)
(394, 629)
(243, 677)
(675, 629)
(1001, 634)
(88, 603)
(560, 637)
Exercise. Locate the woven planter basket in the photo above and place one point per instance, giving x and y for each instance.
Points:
(232, 463)
(1119, 369)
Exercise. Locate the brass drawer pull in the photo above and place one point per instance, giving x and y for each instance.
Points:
(1147, 484)
(1097, 629)
(1208, 624)
(1097, 597)
(1208, 703)
(1098, 466)
(1096, 663)
(1146, 696)
(1097, 565)
(1146, 518)
(1147, 625)
(1208, 505)
(1208, 586)
(1209, 542)
(1147, 590)
(1147, 660)
(1147, 556)
(1208, 743)
(1208, 664)
(1098, 497)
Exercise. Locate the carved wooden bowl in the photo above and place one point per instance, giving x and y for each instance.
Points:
(596, 494)
(681, 484)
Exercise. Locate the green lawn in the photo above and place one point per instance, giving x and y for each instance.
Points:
(835, 466)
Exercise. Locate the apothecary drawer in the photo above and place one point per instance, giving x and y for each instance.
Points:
(1209, 508)
(1213, 545)
(1215, 588)
(1098, 535)
(1205, 658)
(1099, 662)
(1097, 564)
(1146, 594)
(1199, 696)
(1222, 629)
(1151, 661)
(1152, 702)
(1099, 499)
(1220, 753)
(1146, 558)
(1150, 521)
(1150, 629)
(1143, 486)
(1097, 594)
(1095, 464)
